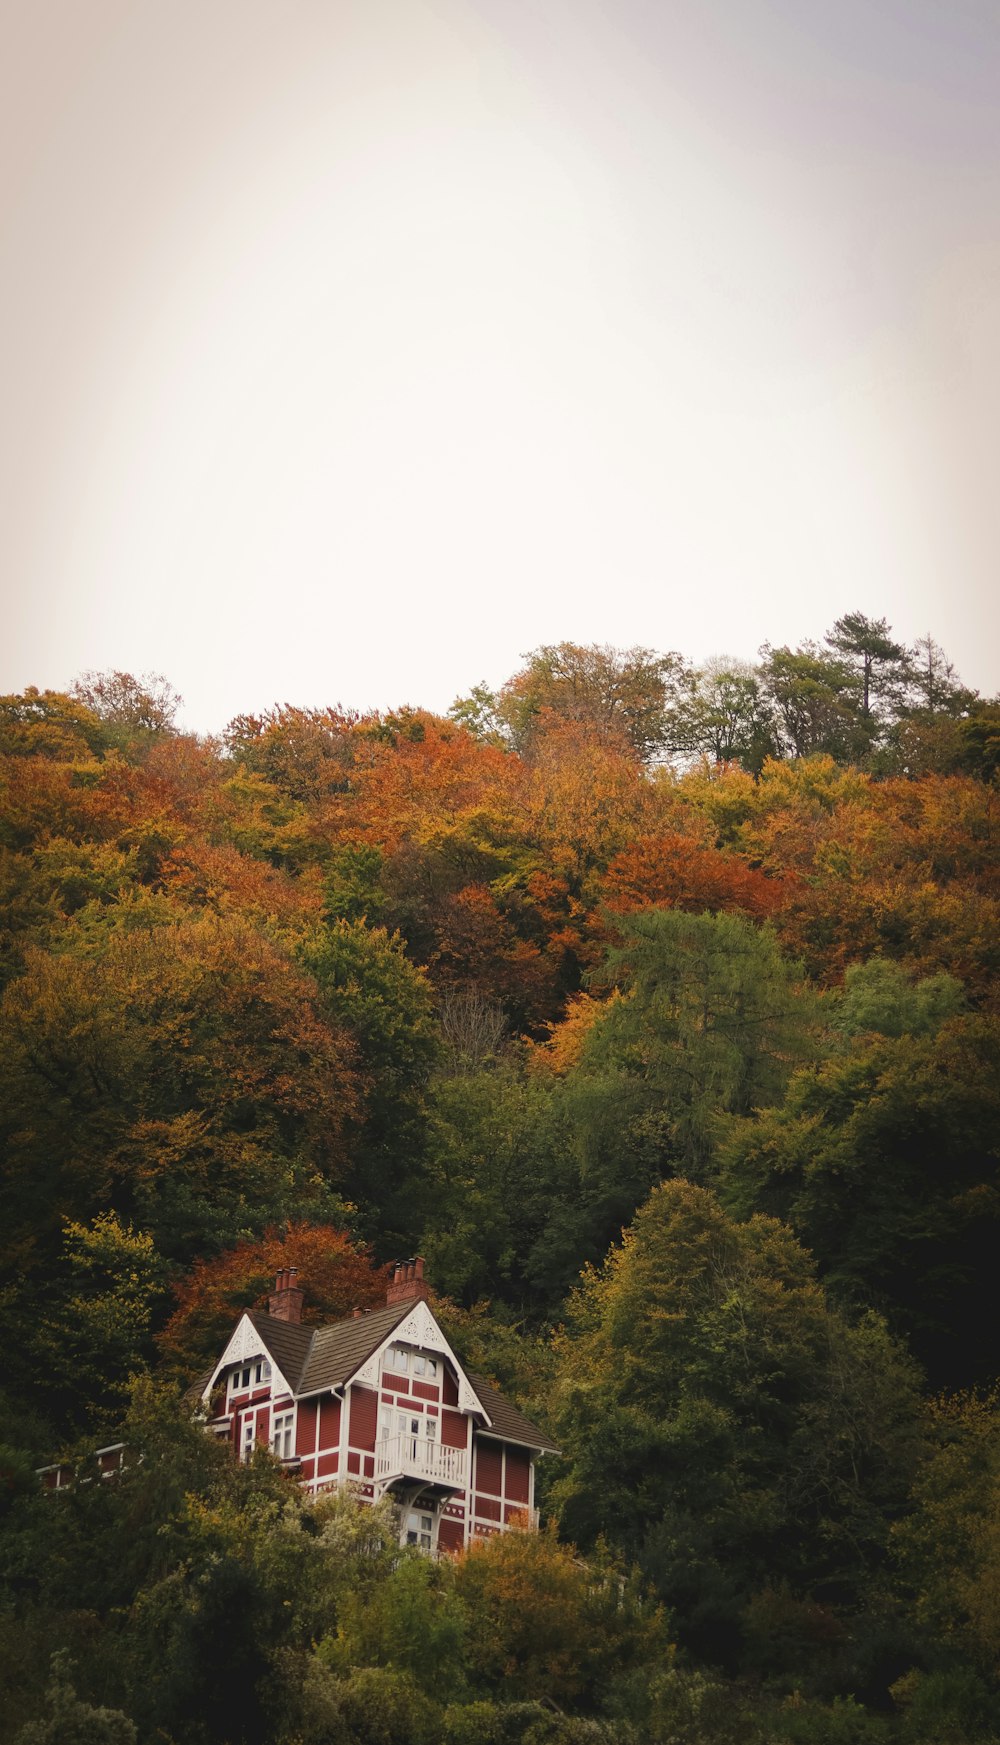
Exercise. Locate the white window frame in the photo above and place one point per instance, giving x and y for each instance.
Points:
(419, 1528)
(247, 1376)
(283, 1434)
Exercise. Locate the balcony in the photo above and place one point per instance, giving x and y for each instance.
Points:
(402, 1457)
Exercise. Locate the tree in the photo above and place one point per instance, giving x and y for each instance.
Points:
(948, 1544)
(879, 997)
(370, 989)
(710, 1019)
(304, 753)
(935, 687)
(618, 694)
(679, 872)
(145, 705)
(51, 725)
(72, 1722)
(811, 697)
(723, 1425)
(175, 1069)
(724, 715)
(884, 1162)
(335, 1272)
(881, 666)
(543, 1625)
(95, 1323)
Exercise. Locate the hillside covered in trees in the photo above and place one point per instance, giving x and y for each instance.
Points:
(657, 1007)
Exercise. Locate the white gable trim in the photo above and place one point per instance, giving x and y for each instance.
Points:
(419, 1327)
(247, 1342)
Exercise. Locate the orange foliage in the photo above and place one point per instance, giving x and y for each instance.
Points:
(673, 871)
(409, 782)
(336, 1274)
(221, 879)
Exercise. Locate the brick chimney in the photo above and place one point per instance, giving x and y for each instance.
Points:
(407, 1282)
(286, 1300)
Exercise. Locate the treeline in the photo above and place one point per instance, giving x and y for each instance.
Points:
(858, 696)
(577, 960)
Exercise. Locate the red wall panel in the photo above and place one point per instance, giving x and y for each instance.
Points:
(517, 1475)
(364, 1418)
(488, 1468)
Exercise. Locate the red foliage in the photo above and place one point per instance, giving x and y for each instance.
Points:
(672, 871)
(336, 1274)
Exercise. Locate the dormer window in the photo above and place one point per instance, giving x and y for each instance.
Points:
(397, 1358)
(425, 1365)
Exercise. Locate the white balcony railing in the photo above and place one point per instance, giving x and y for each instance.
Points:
(412, 1457)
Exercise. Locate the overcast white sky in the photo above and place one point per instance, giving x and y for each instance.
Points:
(352, 348)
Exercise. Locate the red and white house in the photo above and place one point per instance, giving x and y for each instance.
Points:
(379, 1403)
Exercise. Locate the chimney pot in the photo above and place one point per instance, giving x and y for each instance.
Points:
(286, 1300)
(408, 1284)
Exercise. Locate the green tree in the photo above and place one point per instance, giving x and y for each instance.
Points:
(881, 667)
(948, 1544)
(723, 1425)
(884, 1162)
(370, 989)
(95, 1323)
(710, 1018)
(880, 997)
(725, 716)
(812, 699)
(72, 1722)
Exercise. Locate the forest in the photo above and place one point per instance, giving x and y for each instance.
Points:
(655, 1005)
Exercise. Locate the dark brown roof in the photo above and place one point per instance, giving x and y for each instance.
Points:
(506, 1421)
(338, 1351)
(313, 1359)
(288, 1344)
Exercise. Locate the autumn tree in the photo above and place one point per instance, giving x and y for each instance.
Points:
(335, 1272)
(176, 1069)
(616, 693)
(304, 753)
(146, 705)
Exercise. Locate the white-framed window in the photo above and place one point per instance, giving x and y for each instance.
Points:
(384, 1423)
(425, 1365)
(397, 1358)
(248, 1436)
(416, 1425)
(283, 1435)
(254, 1374)
(419, 1529)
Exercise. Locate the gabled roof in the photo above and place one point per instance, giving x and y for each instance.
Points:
(287, 1343)
(330, 1355)
(507, 1422)
(315, 1359)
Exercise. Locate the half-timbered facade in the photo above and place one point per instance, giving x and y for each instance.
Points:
(380, 1403)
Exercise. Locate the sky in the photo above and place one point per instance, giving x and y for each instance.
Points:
(351, 349)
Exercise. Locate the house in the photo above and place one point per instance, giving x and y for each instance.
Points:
(379, 1403)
